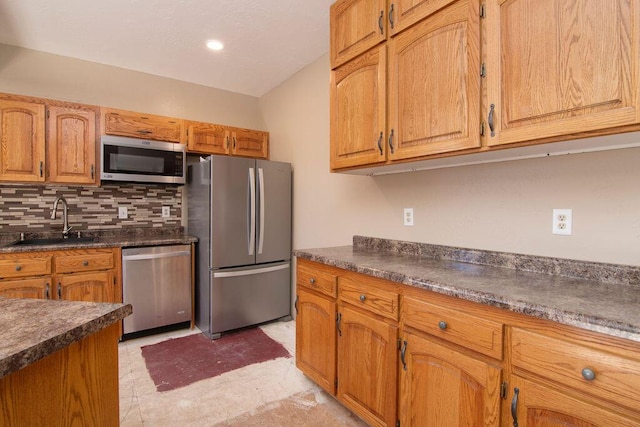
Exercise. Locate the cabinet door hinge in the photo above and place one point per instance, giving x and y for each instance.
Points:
(47, 113)
(503, 390)
(114, 280)
(483, 70)
(397, 423)
(335, 383)
(482, 11)
(482, 129)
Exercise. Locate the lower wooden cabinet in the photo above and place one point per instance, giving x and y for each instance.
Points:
(404, 355)
(90, 275)
(440, 386)
(367, 372)
(536, 405)
(316, 338)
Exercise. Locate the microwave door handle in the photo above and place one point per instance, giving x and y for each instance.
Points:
(252, 211)
(262, 202)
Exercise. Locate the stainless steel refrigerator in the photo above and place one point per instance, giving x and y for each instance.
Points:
(240, 211)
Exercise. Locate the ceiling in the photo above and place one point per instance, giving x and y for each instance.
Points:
(266, 41)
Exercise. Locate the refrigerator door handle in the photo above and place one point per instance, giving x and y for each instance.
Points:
(252, 211)
(261, 184)
(222, 274)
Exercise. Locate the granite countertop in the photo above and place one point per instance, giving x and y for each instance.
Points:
(102, 239)
(594, 296)
(32, 328)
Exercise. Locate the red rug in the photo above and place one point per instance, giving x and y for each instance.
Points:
(182, 361)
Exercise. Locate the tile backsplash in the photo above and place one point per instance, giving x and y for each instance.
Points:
(25, 208)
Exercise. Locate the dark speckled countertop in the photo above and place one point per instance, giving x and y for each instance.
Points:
(32, 328)
(598, 297)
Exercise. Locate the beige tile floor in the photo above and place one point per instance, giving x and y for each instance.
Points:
(274, 393)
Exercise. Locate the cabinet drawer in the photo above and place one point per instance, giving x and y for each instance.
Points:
(148, 126)
(316, 279)
(84, 262)
(470, 331)
(25, 267)
(355, 291)
(617, 379)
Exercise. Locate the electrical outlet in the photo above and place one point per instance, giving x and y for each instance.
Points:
(122, 212)
(408, 216)
(166, 212)
(562, 222)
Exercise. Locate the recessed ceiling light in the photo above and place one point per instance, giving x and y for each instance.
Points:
(215, 45)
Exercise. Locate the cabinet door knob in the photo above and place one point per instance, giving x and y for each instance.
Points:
(18, 267)
(312, 281)
(85, 263)
(588, 374)
(442, 325)
(363, 297)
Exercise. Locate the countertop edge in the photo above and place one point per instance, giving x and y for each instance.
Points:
(590, 323)
(47, 347)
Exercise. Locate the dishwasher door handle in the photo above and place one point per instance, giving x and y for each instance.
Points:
(155, 256)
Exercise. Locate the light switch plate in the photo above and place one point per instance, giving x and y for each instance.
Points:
(166, 211)
(122, 212)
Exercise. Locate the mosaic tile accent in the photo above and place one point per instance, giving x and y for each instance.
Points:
(25, 208)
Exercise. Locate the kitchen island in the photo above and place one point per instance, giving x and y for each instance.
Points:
(59, 362)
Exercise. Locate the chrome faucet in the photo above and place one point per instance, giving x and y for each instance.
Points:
(65, 222)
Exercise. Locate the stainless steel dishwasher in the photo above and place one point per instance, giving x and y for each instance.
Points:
(156, 281)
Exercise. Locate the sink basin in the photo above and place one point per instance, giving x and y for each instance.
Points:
(52, 241)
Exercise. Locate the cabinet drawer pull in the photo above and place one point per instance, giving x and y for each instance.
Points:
(391, 141)
(312, 281)
(59, 291)
(380, 143)
(403, 353)
(490, 119)
(442, 325)
(143, 132)
(18, 267)
(391, 16)
(514, 406)
(380, 20)
(85, 263)
(46, 292)
(363, 297)
(588, 374)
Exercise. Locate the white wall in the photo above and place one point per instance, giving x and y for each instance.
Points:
(33, 73)
(501, 206)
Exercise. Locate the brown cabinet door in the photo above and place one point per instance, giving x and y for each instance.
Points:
(367, 370)
(316, 339)
(434, 78)
(208, 138)
(71, 145)
(540, 406)
(90, 287)
(26, 288)
(22, 135)
(358, 109)
(442, 387)
(560, 67)
(250, 143)
(356, 26)
(146, 126)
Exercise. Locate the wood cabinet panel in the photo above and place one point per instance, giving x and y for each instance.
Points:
(355, 290)
(367, 366)
(442, 387)
(26, 288)
(91, 287)
(250, 143)
(71, 145)
(316, 338)
(434, 84)
(208, 138)
(24, 265)
(73, 262)
(356, 26)
(539, 406)
(140, 125)
(616, 378)
(317, 277)
(470, 331)
(22, 141)
(559, 67)
(358, 109)
(404, 13)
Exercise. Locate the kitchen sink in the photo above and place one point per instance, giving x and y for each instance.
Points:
(52, 241)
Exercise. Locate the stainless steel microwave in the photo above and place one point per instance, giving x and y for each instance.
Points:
(141, 160)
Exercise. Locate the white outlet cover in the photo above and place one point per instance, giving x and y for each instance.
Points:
(122, 212)
(562, 222)
(166, 211)
(408, 216)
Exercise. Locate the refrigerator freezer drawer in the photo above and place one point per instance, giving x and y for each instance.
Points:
(244, 297)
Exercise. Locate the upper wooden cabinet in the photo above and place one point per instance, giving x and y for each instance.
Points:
(209, 138)
(558, 67)
(140, 125)
(434, 84)
(22, 141)
(358, 111)
(71, 145)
